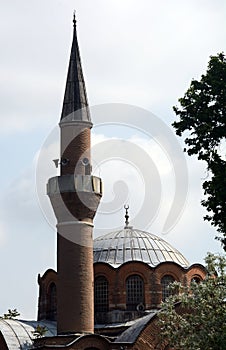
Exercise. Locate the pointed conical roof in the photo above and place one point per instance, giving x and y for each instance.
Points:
(75, 105)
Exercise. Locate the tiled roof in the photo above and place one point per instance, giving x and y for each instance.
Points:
(130, 244)
(18, 334)
(131, 334)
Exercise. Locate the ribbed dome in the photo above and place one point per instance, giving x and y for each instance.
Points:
(118, 247)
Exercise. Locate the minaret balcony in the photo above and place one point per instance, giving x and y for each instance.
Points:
(74, 183)
(74, 197)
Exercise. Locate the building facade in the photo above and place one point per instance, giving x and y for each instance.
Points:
(132, 272)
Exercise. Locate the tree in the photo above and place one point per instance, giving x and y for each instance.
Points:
(202, 115)
(200, 322)
(11, 314)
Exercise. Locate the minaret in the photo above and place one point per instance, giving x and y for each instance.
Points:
(75, 196)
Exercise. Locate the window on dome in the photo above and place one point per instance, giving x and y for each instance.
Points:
(134, 292)
(165, 282)
(101, 294)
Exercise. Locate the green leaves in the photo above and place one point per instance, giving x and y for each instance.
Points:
(39, 331)
(199, 320)
(202, 115)
(11, 314)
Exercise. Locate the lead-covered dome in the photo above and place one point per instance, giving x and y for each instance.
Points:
(118, 247)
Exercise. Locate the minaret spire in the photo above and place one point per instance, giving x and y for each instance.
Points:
(75, 104)
(75, 196)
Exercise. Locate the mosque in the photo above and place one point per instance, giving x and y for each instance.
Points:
(106, 293)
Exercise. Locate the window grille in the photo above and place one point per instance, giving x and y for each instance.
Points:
(101, 294)
(165, 282)
(134, 292)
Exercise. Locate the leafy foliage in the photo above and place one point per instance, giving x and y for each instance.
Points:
(39, 331)
(202, 115)
(11, 314)
(201, 322)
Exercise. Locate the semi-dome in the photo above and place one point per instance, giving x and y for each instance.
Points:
(118, 247)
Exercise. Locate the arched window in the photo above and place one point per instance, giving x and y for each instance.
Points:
(101, 294)
(134, 292)
(196, 279)
(52, 302)
(165, 282)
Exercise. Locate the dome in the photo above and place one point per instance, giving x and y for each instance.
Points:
(118, 247)
(19, 335)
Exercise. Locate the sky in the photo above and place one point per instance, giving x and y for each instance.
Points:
(138, 56)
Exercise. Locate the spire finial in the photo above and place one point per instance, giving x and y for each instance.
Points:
(74, 19)
(126, 207)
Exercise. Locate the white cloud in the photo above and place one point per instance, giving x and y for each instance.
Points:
(147, 56)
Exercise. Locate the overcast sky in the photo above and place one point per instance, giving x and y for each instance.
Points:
(138, 52)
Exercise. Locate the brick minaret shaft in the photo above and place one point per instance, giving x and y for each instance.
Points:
(75, 196)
